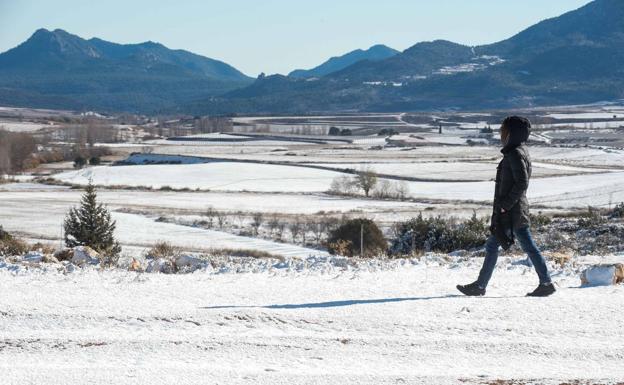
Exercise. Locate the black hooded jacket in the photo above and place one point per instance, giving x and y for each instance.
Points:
(512, 181)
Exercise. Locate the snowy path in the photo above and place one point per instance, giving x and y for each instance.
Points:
(403, 325)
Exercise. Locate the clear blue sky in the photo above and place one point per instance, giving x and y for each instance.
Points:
(277, 36)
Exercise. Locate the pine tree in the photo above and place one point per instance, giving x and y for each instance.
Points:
(91, 225)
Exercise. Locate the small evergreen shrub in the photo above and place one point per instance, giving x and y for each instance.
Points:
(91, 225)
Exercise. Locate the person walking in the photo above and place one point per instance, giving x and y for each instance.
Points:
(510, 217)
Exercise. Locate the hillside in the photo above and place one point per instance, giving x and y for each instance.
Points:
(573, 58)
(337, 63)
(58, 69)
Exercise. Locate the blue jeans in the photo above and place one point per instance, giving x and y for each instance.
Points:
(527, 244)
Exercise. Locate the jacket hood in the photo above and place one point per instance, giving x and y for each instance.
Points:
(518, 134)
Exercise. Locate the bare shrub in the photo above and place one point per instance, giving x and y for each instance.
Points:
(221, 219)
(10, 246)
(243, 253)
(387, 189)
(342, 185)
(280, 230)
(273, 224)
(295, 227)
(591, 218)
(16, 150)
(210, 214)
(257, 220)
(164, 250)
(366, 179)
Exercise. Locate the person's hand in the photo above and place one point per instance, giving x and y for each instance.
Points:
(503, 210)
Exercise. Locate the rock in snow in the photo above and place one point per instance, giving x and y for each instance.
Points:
(33, 257)
(84, 255)
(188, 263)
(602, 275)
(160, 265)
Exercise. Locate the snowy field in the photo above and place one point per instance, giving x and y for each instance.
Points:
(598, 189)
(305, 317)
(474, 171)
(314, 322)
(222, 176)
(39, 216)
(14, 126)
(20, 194)
(571, 156)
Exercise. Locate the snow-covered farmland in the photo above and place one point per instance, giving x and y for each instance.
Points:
(40, 217)
(15, 126)
(20, 194)
(599, 189)
(218, 176)
(466, 171)
(321, 321)
(306, 317)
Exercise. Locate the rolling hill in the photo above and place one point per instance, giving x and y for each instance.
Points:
(337, 63)
(573, 58)
(58, 69)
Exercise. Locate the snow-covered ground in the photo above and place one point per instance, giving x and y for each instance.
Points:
(314, 322)
(475, 171)
(564, 191)
(14, 126)
(24, 194)
(40, 216)
(220, 176)
(586, 115)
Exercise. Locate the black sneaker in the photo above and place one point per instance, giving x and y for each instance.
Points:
(543, 290)
(471, 290)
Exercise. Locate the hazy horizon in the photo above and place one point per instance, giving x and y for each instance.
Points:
(277, 36)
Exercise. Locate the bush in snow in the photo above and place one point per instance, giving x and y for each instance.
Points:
(591, 218)
(540, 220)
(79, 162)
(334, 131)
(4, 235)
(439, 234)
(91, 225)
(343, 185)
(162, 250)
(10, 246)
(357, 237)
(387, 189)
(618, 211)
(366, 180)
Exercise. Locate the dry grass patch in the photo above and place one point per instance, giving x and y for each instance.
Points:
(243, 253)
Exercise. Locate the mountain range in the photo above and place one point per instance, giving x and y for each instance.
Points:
(375, 53)
(58, 69)
(574, 58)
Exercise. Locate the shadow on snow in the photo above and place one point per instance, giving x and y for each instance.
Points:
(332, 303)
